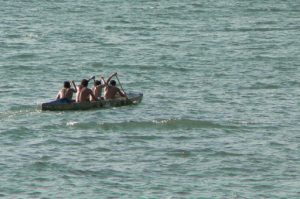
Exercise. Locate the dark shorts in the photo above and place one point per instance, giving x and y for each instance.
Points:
(62, 101)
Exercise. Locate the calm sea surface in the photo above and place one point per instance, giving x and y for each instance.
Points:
(220, 116)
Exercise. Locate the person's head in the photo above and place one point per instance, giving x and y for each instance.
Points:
(84, 83)
(112, 82)
(67, 84)
(97, 83)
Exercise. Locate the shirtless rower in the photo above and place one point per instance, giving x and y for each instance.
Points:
(97, 89)
(66, 93)
(79, 87)
(85, 93)
(111, 90)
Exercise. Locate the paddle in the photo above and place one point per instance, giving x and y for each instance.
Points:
(93, 77)
(121, 87)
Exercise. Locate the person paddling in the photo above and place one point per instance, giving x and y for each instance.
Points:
(79, 87)
(111, 90)
(66, 93)
(97, 89)
(85, 93)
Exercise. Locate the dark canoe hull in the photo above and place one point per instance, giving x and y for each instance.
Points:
(133, 98)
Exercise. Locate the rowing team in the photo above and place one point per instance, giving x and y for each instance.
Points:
(84, 94)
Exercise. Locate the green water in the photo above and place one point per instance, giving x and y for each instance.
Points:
(219, 117)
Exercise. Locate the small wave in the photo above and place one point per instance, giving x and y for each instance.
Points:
(266, 22)
(180, 153)
(81, 125)
(24, 108)
(41, 165)
(266, 9)
(23, 56)
(198, 5)
(17, 133)
(226, 154)
(101, 149)
(57, 142)
(162, 124)
(254, 29)
(71, 123)
(277, 144)
(262, 86)
(18, 111)
(105, 173)
(293, 83)
(154, 124)
(187, 123)
(149, 137)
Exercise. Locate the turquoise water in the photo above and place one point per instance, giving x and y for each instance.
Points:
(220, 114)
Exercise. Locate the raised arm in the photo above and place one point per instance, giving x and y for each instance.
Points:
(108, 80)
(103, 80)
(75, 87)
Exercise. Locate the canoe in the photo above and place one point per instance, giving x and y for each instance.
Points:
(133, 98)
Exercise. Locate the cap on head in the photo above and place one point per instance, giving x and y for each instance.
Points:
(67, 84)
(97, 82)
(112, 82)
(84, 82)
